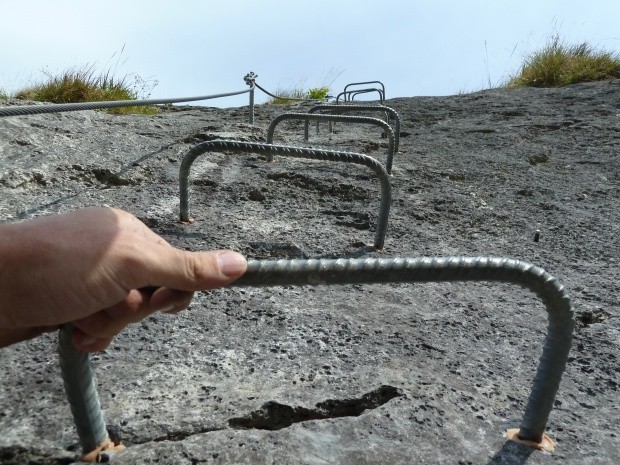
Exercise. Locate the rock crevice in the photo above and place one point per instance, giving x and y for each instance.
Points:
(274, 415)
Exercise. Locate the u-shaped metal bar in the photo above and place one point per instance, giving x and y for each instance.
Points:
(85, 405)
(337, 109)
(307, 117)
(365, 83)
(295, 152)
(349, 95)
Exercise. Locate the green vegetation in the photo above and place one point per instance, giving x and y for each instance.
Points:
(86, 85)
(319, 92)
(559, 65)
(286, 97)
(4, 95)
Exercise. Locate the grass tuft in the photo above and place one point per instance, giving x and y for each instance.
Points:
(320, 92)
(558, 65)
(286, 96)
(87, 85)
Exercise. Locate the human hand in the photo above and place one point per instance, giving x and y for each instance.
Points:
(99, 269)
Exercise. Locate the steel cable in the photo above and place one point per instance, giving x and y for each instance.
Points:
(63, 107)
(297, 99)
(316, 272)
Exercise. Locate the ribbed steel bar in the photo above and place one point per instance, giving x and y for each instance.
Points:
(336, 118)
(78, 379)
(81, 392)
(250, 80)
(295, 152)
(350, 94)
(337, 109)
(353, 271)
(365, 83)
(63, 107)
(355, 93)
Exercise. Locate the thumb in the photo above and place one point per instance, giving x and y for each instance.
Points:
(189, 271)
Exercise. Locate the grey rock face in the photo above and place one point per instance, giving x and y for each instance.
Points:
(361, 374)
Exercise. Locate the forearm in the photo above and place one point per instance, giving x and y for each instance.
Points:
(8, 248)
(12, 336)
(20, 250)
(11, 244)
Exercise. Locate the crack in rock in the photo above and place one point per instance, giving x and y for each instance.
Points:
(176, 436)
(17, 455)
(274, 415)
(590, 317)
(110, 179)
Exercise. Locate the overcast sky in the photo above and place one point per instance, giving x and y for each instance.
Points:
(201, 47)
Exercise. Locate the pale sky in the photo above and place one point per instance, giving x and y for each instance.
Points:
(202, 47)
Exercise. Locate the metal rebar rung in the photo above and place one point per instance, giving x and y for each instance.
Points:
(346, 88)
(337, 118)
(336, 109)
(81, 392)
(250, 80)
(349, 95)
(353, 271)
(349, 271)
(295, 152)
